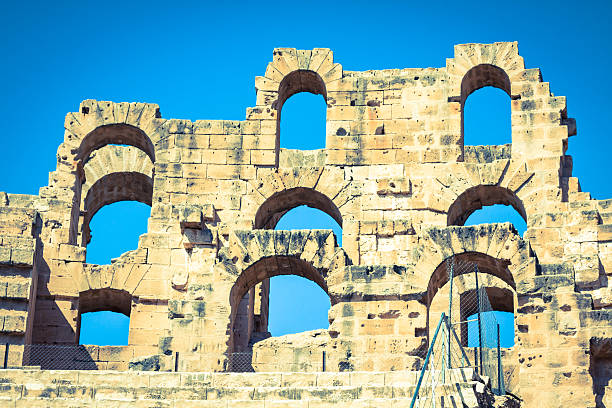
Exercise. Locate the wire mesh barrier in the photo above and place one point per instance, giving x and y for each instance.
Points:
(240, 362)
(467, 335)
(442, 368)
(59, 357)
(471, 315)
(477, 323)
(483, 334)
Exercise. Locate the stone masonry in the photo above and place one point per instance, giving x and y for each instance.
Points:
(395, 174)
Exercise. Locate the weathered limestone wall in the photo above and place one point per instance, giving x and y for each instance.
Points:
(19, 263)
(395, 174)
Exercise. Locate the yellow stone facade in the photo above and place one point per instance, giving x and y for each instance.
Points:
(395, 174)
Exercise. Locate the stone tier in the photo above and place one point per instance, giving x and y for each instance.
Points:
(34, 388)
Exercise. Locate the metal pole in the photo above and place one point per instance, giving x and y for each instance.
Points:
(433, 342)
(176, 361)
(449, 319)
(323, 360)
(6, 355)
(499, 366)
(479, 320)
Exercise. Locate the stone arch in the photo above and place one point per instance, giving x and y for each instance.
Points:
(301, 80)
(494, 278)
(117, 133)
(316, 247)
(480, 196)
(262, 270)
(112, 188)
(105, 299)
(468, 185)
(478, 77)
(498, 244)
(99, 123)
(497, 64)
(486, 264)
(279, 203)
(254, 256)
(292, 71)
(280, 190)
(478, 65)
(293, 83)
(113, 160)
(483, 75)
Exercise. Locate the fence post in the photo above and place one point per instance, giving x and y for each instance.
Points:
(500, 374)
(479, 321)
(427, 356)
(6, 354)
(176, 361)
(450, 309)
(323, 361)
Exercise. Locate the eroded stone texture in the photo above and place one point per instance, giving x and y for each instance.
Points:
(396, 176)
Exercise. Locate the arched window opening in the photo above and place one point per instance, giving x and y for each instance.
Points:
(302, 108)
(104, 329)
(496, 204)
(116, 229)
(104, 317)
(495, 298)
(248, 313)
(277, 205)
(498, 213)
(303, 122)
(486, 118)
(113, 173)
(286, 304)
(296, 304)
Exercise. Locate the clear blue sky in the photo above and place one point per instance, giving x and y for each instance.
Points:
(198, 61)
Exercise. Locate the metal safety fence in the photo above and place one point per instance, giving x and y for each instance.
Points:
(58, 357)
(442, 367)
(472, 316)
(476, 321)
(240, 362)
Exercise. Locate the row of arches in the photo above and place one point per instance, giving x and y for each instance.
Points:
(115, 194)
(485, 109)
(260, 308)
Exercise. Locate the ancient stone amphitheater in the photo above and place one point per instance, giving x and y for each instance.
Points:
(395, 174)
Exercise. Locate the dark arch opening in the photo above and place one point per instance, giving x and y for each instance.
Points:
(299, 81)
(270, 212)
(486, 264)
(484, 75)
(477, 197)
(122, 134)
